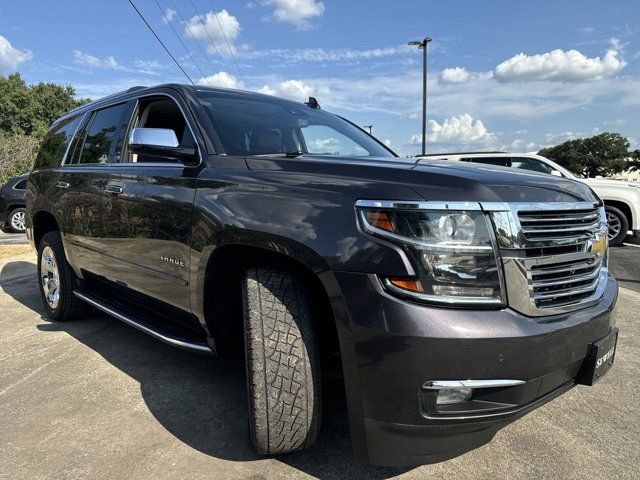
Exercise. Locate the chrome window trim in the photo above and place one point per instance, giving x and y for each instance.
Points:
(137, 98)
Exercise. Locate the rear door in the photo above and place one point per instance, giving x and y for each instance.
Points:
(148, 226)
(81, 183)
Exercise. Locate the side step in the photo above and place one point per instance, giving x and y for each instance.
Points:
(171, 340)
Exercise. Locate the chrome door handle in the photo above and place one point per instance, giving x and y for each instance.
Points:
(62, 185)
(114, 189)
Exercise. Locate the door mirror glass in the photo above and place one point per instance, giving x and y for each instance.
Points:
(556, 173)
(159, 144)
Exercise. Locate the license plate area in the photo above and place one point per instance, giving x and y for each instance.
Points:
(599, 360)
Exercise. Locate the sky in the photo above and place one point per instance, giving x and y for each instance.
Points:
(516, 76)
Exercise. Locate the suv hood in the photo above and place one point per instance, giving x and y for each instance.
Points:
(429, 180)
(604, 182)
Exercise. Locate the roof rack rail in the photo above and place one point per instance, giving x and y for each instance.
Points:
(455, 153)
(133, 89)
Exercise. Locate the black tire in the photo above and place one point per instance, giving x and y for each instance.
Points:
(13, 220)
(283, 378)
(68, 306)
(616, 238)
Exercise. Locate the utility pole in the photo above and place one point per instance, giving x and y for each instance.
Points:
(423, 45)
(369, 127)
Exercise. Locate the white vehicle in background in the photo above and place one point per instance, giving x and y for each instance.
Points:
(621, 199)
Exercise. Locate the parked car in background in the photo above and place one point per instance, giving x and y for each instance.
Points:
(12, 203)
(222, 221)
(621, 199)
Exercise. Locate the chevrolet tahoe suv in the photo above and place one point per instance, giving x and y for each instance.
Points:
(621, 199)
(457, 298)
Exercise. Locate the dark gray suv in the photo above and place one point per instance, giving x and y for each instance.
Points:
(12, 204)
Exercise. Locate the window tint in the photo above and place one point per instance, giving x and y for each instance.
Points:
(500, 161)
(162, 113)
(21, 185)
(264, 125)
(531, 164)
(322, 140)
(56, 142)
(100, 134)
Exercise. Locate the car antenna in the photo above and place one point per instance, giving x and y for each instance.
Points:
(313, 103)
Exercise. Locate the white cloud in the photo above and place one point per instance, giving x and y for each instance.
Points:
(169, 15)
(212, 30)
(296, 12)
(560, 66)
(94, 62)
(11, 57)
(454, 75)
(292, 89)
(221, 79)
(325, 54)
(457, 130)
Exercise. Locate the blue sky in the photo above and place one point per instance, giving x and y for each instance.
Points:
(511, 75)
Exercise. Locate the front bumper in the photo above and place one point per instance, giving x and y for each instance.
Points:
(391, 347)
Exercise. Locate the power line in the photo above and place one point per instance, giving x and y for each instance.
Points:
(213, 44)
(161, 43)
(196, 40)
(180, 40)
(226, 40)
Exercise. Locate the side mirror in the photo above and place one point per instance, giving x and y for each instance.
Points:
(556, 173)
(161, 143)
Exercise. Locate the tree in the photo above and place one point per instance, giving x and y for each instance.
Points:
(30, 109)
(603, 154)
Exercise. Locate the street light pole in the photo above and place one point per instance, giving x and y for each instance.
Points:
(423, 45)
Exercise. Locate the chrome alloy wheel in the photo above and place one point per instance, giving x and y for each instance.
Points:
(50, 277)
(17, 221)
(614, 225)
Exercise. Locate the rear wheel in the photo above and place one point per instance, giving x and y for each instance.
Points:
(57, 280)
(283, 379)
(16, 220)
(617, 225)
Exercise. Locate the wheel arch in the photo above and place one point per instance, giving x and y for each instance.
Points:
(623, 207)
(43, 222)
(222, 299)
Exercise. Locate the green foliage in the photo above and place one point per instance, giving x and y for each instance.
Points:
(30, 109)
(603, 154)
(17, 153)
(635, 159)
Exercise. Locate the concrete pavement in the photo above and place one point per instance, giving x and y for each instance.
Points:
(97, 399)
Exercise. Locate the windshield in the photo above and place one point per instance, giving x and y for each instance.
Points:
(262, 125)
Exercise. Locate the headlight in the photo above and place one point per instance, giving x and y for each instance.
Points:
(451, 246)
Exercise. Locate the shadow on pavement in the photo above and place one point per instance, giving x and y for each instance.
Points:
(199, 399)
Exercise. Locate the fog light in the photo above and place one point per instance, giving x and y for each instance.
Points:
(453, 395)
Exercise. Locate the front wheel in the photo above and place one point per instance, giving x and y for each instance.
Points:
(57, 280)
(617, 225)
(283, 378)
(16, 220)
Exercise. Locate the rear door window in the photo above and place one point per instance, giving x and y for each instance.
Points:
(99, 138)
(531, 164)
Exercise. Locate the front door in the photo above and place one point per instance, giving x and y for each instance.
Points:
(148, 227)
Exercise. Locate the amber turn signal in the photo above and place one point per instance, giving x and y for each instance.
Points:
(411, 285)
(380, 220)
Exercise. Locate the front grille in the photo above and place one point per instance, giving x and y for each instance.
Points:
(544, 225)
(564, 283)
(552, 255)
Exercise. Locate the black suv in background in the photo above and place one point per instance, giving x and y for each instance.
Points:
(12, 204)
(458, 297)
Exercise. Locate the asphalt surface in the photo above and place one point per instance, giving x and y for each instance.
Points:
(7, 238)
(97, 399)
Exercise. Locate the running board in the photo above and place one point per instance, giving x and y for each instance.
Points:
(173, 341)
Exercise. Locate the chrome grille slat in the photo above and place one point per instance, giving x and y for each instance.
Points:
(573, 225)
(542, 218)
(563, 268)
(567, 280)
(567, 292)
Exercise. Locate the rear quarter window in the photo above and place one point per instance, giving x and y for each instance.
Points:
(21, 185)
(56, 142)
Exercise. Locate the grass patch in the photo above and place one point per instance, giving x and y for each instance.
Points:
(8, 251)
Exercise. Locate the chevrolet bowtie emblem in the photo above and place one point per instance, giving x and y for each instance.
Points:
(598, 246)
